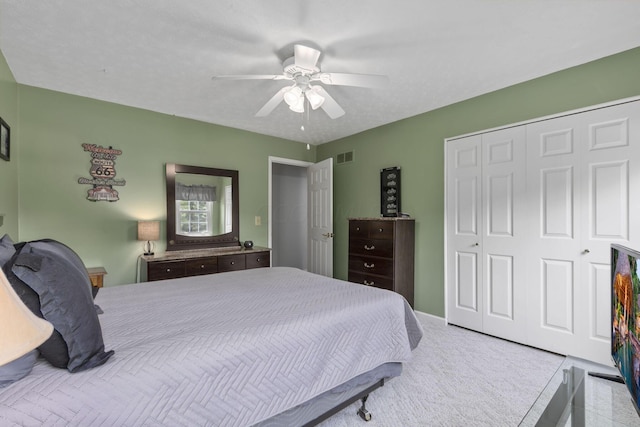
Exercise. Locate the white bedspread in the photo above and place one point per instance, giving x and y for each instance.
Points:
(228, 349)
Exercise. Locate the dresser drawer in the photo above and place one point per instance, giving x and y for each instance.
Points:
(231, 263)
(366, 265)
(370, 280)
(371, 247)
(166, 270)
(381, 230)
(258, 259)
(359, 229)
(198, 266)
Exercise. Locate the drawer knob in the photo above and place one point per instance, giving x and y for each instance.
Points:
(258, 259)
(368, 283)
(168, 270)
(357, 228)
(380, 230)
(233, 262)
(369, 265)
(202, 266)
(369, 248)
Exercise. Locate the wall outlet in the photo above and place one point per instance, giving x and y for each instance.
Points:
(258, 220)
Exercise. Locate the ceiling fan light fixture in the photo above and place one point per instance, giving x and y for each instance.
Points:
(298, 106)
(292, 96)
(315, 99)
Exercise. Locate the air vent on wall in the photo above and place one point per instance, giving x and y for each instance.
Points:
(344, 157)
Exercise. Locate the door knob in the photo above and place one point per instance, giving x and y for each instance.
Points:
(327, 235)
(586, 251)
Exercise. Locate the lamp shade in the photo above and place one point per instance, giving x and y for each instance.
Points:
(20, 330)
(149, 230)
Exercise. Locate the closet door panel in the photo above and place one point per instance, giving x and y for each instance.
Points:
(554, 249)
(610, 212)
(505, 233)
(464, 268)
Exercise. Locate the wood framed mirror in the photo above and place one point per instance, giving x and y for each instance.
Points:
(202, 207)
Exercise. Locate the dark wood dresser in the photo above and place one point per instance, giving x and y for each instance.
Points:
(176, 264)
(382, 252)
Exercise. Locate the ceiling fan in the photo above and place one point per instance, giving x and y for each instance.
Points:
(304, 71)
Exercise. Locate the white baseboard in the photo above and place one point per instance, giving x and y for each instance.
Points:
(430, 316)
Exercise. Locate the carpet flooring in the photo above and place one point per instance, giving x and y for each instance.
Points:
(458, 377)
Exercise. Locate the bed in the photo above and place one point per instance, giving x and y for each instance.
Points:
(269, 346)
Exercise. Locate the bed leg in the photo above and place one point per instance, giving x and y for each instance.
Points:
(364, 414)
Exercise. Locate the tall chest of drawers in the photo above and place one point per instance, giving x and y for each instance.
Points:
(382, 252)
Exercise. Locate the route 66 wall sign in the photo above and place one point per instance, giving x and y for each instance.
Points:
(103, 173)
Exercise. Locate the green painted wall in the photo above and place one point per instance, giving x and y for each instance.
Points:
(52, 126)
(9, 170)
(52, 204)
(417, 146)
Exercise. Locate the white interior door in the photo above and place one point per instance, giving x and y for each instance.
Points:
(528, 248)
(580, 172)
(320, 182)
(505, 232)
(464, 236)
(487, 232)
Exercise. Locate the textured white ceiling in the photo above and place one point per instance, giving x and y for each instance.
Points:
(161, 55)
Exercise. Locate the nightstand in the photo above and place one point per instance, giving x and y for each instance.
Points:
(96, 275)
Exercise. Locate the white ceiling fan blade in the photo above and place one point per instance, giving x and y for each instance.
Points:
(272, 103)
(360, 80)
(330, 106)
(251, 77)
(306, 57)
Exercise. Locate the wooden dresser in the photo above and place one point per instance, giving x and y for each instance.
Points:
(382, 252)
(175, 264)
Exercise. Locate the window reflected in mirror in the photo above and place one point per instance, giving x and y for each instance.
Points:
(201, 207)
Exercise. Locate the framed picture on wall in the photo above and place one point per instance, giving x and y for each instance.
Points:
(5, 140)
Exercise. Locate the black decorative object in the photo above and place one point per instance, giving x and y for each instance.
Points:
(5, 140)
(248, 244)
(390, 192)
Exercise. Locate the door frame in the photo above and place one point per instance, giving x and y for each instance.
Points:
(282, 161)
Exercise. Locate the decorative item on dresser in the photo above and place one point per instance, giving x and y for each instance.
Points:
(176, 264)
(381, 253)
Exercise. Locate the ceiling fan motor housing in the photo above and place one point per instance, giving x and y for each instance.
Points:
(293, 70)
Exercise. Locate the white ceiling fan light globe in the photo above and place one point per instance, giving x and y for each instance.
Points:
(315, 99)
(292, 96)
(298, 106)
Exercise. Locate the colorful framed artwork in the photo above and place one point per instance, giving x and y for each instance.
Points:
(5, 140)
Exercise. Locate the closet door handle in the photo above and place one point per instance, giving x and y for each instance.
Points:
(586, 251)
(476, 244)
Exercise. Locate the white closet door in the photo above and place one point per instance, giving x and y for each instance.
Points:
(610, 214)
(464, 236)
(553, 181)
(487, 233)
(580, 173)
(505, 233)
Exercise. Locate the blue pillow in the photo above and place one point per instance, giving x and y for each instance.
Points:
(19, 368)
(6, 249)
(56, 273)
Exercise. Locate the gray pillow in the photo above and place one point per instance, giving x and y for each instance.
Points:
(59, 278)
(6, 249)
(19, 368)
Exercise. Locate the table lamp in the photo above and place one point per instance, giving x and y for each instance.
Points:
(20, 330)
(148, 231)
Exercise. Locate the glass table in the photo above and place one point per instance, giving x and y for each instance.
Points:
(573, 397)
